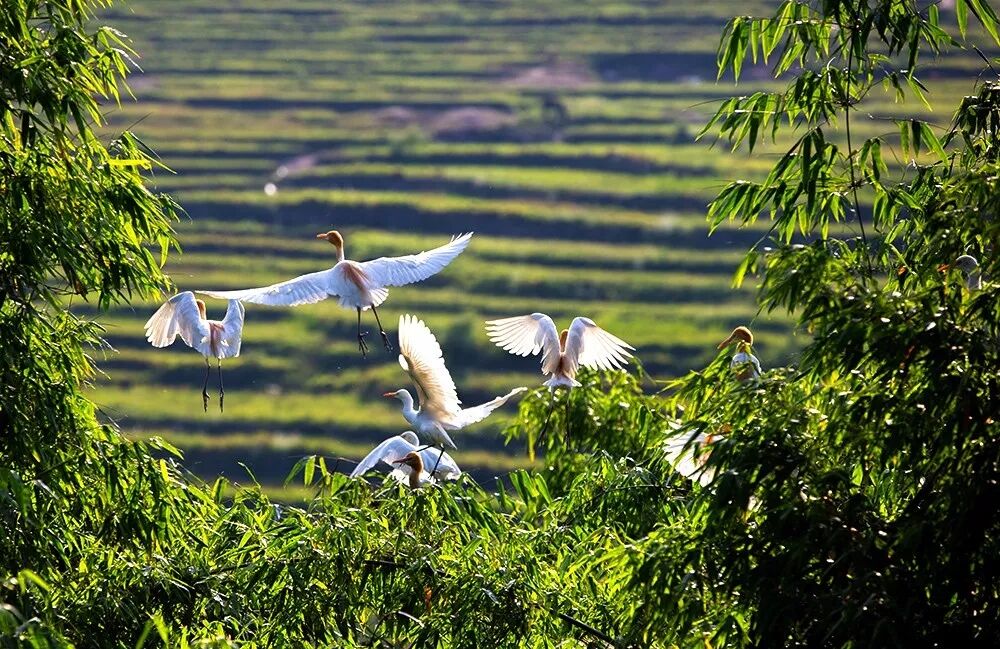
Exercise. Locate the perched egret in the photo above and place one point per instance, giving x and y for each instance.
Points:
(744, 363)
(584, 343)
(184, 316)
(688, 452)
(397, 447)
(969, 266)
(358, 285)
(440, 410)
(412, 468)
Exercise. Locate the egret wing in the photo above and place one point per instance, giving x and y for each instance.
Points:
(421, 357)
(232, 329)
(527, 335)
(305, 289)
(179, 316)
(447, 468)
(470, 416)
(397, 271)
(389, 451)
(590, 346)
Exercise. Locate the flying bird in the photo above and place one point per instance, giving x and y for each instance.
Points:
(584, 343)
(358, 285)
(440, 409)
(744, 363)
(184, 316)
(398, 447)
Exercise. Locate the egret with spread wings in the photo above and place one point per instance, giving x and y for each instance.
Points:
(396, 448)
(358, 285)
(583, 344)
(439, 410)
(184, 316)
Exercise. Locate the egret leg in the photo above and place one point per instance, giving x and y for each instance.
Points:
(385, 336)
(362, 345)
(545, 426)
(222, 391)
(204, 387)
(566, 417)
(440, 455)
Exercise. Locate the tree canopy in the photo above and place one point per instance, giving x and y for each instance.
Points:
(851, 499)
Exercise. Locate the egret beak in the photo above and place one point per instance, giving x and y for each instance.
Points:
(944, 268)
(388, 395)
(727, 341)
(321, 235)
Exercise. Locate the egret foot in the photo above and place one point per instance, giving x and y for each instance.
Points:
(362, 344)
(204, 399)
(385, 336)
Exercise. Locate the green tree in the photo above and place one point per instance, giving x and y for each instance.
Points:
(76, 221)
(855, 497)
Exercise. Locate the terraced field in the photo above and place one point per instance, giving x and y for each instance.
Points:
(560, 132)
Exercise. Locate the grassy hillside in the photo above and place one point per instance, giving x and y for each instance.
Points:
(561, 132)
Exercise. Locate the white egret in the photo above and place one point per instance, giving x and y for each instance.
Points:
(397, 447)
(411, 468)
(440, 409)
(358, 285)
(744, 363)
(584, 343)
(969, 266)
(184, 316)
(688, 453)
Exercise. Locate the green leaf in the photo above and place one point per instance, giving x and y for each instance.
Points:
(962, 16)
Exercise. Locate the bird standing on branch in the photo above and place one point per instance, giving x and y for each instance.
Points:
(398, 447)
(969, 266)
(184, 316)
(744, 363)
(357, 285)
(412, 468)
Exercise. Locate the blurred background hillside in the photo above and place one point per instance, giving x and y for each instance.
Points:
(561, 132)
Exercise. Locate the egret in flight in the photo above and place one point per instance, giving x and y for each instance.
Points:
(439, 410)
(584, 343)
(357, 285)
(398, 447)
(744, 363)
(184, 316)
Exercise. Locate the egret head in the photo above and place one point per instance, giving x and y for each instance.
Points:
(562, 339)
(333, 237)
(398, 394)
(201, 308)
(741, 336)
(413, 461)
